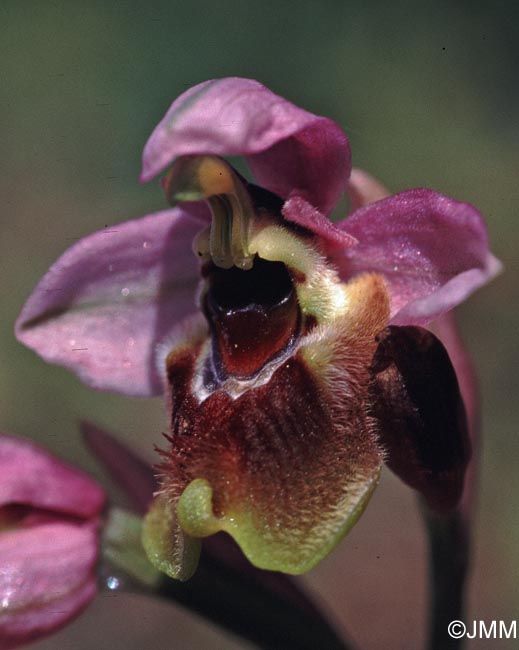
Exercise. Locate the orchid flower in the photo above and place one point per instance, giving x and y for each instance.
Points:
(291, 349)
(49, 519)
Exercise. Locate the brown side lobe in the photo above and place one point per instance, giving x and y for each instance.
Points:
(423, 425)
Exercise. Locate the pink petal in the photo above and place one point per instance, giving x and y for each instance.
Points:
(289, 149)
(314, 163)
(363, 189)
(32, 477)
(103, 306)
(46, 578)
(447, 330)
(297, 210)
(431, 250)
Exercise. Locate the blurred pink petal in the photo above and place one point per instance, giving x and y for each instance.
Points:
(108, 299)
(431, 250)
(363, 189)
(46, 578)
(49, 519)
(290, 150)
(30, 476)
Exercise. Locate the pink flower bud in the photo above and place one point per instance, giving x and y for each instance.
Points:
(49, 521)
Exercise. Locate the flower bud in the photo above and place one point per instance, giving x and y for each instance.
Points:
(49, 520)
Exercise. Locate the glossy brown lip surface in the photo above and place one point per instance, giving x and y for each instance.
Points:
(253, 315)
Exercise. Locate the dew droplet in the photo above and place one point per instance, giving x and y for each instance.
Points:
(112, 583)
(125, 292)
(146, 244)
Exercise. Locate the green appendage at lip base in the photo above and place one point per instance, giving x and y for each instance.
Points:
(172, 545)
(195, 515)
(168, 548)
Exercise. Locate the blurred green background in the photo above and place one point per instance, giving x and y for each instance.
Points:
(428, 94)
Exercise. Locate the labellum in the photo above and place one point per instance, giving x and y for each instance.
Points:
(271, 437)
(288, 391)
